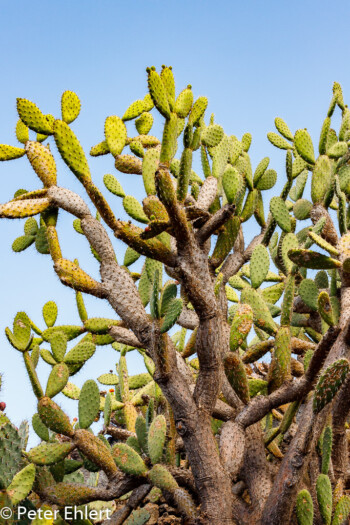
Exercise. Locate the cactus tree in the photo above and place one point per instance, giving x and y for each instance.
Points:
(224, 424)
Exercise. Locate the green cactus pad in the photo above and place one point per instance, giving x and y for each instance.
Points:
(280, 367)
(22, 132)
(183, 103)
(313, 260)
(100, 149)
(70, 106)
(321, 179)
(128, 460)
(278, 141)
(172, 314)
(325, 309)
(280, 213)
(138, 517)
(282, 127)
(134, 110)
(53, 417)
(50, 313)
(113, 185)
(220, 157)
(327, 443)
(289, 242)
(134, 209)
(39, 428)
(41, 243)
(144, 123)
(305, 508)
(302, 209)
(10, 452)
(303, 145)
(198, 110)
(237, 376)
(267, 180)
(240, 326)
(21, 484)
(142, 433)
(212, 135)
(309, 292)
(160, 477)
(108, 379)
(80, 353)
(233, 184)
(115, 134)
(329, 383)
(259, 265)
(71, 150)
(32, 117)
(158, 93)
(272, 294)
(339, 149)
(156, 439)
(262, 316)
(107, 411)
(260, 170)
(20, 338)
(89, 403)
(57, 380)
(58, 346)
(342, 511)
(49, 453)
(22, 243)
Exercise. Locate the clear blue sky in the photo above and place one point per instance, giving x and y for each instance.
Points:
(254, 60)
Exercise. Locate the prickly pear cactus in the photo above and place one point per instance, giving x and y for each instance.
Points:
(245, 341)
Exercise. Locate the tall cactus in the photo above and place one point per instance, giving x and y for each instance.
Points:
(245, 344)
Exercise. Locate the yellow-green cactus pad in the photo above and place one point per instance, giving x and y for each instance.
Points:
(50, 312)
(21, 484)
(57, 380)
(184, 102)
(53, 417)
(74, 276)
(49, 453)
(22, 132)
(134, 209)
(198, 110)
(259, 265)
(168, 80)
(329, 383)
(128, 164)
(158, 93)
(89, 403)
(71, 151)
(32, 117)
(113, 185)
(128, 460)
(70, 106)
(134, 110)
(313, 260)
(100, 149)
(144, 123)
(42, 162)
(10, 152)
(80, 353)
(280, 213)
(304, 146)
(116, 135)
(278, 141)
(282, 127)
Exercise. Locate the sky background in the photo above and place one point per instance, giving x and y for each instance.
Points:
(253, 60)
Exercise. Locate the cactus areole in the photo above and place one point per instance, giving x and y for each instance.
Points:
(239, 415)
